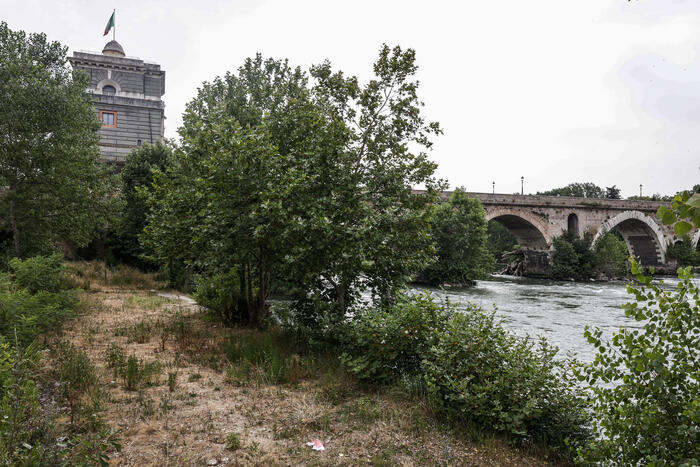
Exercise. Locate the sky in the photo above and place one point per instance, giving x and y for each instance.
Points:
(555, 91)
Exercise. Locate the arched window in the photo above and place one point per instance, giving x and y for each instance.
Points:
(109, 90)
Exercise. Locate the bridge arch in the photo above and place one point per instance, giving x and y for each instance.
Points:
(642, 234)
(527, 229)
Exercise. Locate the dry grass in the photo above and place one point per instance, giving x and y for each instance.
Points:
(202, 408)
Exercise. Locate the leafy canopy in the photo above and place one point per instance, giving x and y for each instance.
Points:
(53, 186)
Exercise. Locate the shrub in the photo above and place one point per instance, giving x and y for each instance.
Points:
(573, 258)
(611, 255)
(220, 293)
(382, 344)
(645, 383)
(40, 273)
(683, 252)
(77, 372)
(478, 373)
(132, 373)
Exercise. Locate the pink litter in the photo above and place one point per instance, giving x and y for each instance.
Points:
(316, 445)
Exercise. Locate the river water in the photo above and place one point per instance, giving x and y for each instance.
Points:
(557, 310)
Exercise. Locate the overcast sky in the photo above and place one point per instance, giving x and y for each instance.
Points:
(557, 91)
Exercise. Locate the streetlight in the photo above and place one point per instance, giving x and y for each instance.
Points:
(522, 180)
(640, 190)
(493, 184)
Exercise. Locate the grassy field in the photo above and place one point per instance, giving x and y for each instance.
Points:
(183, 390)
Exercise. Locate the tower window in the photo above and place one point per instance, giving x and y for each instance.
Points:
(108, 119)
(109, 90)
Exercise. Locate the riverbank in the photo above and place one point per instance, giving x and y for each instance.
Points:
(204, 403)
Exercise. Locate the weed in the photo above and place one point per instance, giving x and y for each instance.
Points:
(172, 381)
(132, 373)
(115, 359)
(140, 332)
(194, 377)
(233, 442)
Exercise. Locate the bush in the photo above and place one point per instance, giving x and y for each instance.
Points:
(220, 293)
(270, 357)
(77, 372)
(645, 384)
(478, 373)
(40, 273)
(573, 258)
(683, 252)
(611, 255)
(383, 344)
(35, 302)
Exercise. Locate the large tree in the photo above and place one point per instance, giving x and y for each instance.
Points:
(459, 228)
(52, 186)
(305, 175)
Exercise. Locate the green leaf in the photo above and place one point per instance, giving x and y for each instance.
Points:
(668, 217)
(681, 228)
(694, 200)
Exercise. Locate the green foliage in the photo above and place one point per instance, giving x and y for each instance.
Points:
(478, 373)
(684, 212)
(221, 294)
(233, 442)
(42, 306)
(137, 373)
(645, 383)
(136, 183)
(579, 190)
(131, 376)
(683, 252)
(458, 228)
(611, 255)
(500, 240)
(40, 273)
(77, 372)
(53, 186)
(383, 344)
(573, 258)
(269, 358)
(19, 405)
(310, 181)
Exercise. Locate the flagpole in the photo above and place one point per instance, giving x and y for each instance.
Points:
(114, 28)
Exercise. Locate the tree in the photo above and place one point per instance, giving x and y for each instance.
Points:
(306, 180)
(580, 190)
(53, 187)
(612, 192)
(500, 240)
(459, 230)
(137, 176)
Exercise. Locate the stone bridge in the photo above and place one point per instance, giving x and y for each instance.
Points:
(535, 220)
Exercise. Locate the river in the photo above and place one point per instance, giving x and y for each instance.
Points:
(557, 310)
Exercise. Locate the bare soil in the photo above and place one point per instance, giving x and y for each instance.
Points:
(197, 420)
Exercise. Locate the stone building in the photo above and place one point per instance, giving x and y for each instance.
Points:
(127, 93)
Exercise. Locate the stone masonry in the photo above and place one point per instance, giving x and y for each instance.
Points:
(535, 220)
(126, 93)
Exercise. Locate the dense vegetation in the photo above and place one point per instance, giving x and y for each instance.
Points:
(52, 186)
(584, 190)
(459, 230)
(576, 258)
(304, 178)
(35, 299)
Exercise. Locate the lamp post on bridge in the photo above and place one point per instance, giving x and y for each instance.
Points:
(640, 190)
(493, 185)
(522, 181)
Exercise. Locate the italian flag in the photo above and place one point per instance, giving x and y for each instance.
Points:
(110, 24)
